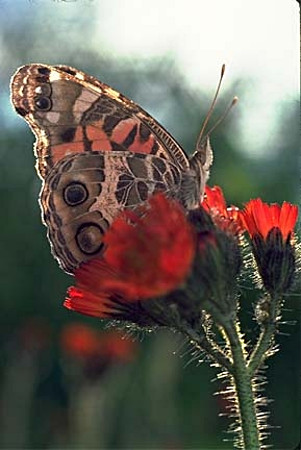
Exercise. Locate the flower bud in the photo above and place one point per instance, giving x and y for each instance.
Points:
(216, 267)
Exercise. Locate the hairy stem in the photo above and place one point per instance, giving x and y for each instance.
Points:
(244, 389)
(266, 338)
(212, 349)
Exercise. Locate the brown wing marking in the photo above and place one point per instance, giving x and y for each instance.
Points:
(84, 193)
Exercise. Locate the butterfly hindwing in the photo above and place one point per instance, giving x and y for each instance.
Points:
(84, 192)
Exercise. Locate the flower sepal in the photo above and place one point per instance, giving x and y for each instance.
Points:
(216, 268)
(275, 259)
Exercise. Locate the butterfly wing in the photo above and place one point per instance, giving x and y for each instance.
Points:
(72, 112)
(97, 153)
(84, 192)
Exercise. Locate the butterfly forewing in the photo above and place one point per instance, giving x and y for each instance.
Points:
(71, 112)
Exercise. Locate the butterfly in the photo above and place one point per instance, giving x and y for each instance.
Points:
(98, 153)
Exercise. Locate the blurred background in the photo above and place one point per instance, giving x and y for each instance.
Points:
(65, 381)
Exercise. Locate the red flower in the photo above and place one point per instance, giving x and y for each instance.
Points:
(85, 302)
(79, 340)
(83, 342)
(259, 218)
(149, 253)
(227, 219)
(270, 228)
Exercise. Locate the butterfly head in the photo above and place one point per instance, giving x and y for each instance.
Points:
(202, 159)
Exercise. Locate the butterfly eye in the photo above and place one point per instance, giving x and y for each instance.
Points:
(75, 194)
(89, 238)
(43, 103)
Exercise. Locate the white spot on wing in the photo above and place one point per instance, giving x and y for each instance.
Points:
(54, 75)
(53, 117)
(80, 76)
(83, 102)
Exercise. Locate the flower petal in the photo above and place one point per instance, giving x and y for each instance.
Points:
(149, 254)
(89, 304)
(259, 217)
(227, 219)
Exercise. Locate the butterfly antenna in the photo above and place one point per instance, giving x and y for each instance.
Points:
(213, 103)
(223, 116)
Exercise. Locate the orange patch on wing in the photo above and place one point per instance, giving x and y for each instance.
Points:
(75, 146)
(79, 135)
(142, 147)
(101, 146)
(121, 132)
(59, 151)
(99, 139)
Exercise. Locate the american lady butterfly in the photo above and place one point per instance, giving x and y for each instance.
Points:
(97, 154)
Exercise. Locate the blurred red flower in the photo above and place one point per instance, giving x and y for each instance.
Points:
(81, 341)
(259, 218)
(225, 218)
(149, 253)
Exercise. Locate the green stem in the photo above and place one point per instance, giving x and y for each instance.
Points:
(266, 338)
(244, 390)
(212, 350)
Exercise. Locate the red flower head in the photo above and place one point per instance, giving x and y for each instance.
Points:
(149, 253)
(80, 340)
(83, 342)
(259, 218)
(227, 219)
(271, 228)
